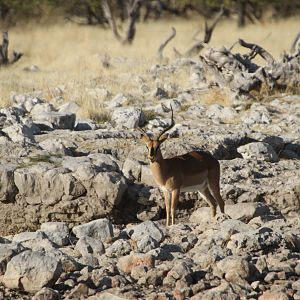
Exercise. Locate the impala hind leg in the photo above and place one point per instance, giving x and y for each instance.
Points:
(210, 200)
(214, 187)
(175, 198)
(167, 203)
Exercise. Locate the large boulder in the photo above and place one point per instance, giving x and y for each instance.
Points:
(57, 232)
(128, 117)
(258, 150)
(110, 186)
(7, 251)
(59, 120)
(19, 133)
(101, 229)
(42, 183)
(30, 271)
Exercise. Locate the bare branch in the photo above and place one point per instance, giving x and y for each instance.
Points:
(199, 45)
(296, 44)
(210, 28)
(164, 44)
(255, 49)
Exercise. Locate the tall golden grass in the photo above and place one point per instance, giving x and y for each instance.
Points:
(70, 55)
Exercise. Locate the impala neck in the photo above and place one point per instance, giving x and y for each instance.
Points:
(159, 168)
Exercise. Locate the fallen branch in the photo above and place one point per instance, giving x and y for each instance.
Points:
(164, 44)
(255, 49)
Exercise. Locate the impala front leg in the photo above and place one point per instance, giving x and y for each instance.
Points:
(175, 198)
(167, 203)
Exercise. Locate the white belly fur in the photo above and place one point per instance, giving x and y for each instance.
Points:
(195, 188)
(192, 188)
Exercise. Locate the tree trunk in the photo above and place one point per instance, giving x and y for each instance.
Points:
(241, 10)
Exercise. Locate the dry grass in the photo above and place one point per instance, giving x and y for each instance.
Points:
(71, 56)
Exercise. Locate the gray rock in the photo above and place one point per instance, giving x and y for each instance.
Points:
(148, 228)
(55, 146)
(132, 169)
(255, 240)
(237, 264)
(31, 271)
(100, 229)
(7, 251)
(148, 213)
(258, 114)
(47, 294)
(85, 124)
(70, 107)
(258, 150)
(57, 232)
(240, 211)
(8, 189)
(19, 134)
(110, 186)
(146, 244)
(276, 142)
(128, 117)
(118, 248)
(42, 108)
(105, 162)
(34, 240)
(56, 119)
(42, 183)
(90, 246)
(289, 154)
(216, 111)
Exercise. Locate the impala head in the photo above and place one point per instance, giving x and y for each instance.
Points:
(153, 144)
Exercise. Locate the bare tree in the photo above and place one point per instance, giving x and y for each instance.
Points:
(4, 59)
(133, 12)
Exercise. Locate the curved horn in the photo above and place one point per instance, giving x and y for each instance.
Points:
(142, 130)
(169, 127)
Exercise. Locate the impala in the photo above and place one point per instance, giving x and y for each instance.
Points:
(193, 171)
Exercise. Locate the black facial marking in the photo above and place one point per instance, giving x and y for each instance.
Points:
(151, 151)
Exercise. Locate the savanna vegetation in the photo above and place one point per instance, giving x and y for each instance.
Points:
(78, 45)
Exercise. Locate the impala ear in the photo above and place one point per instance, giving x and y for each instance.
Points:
(163, 138)
(144, 139)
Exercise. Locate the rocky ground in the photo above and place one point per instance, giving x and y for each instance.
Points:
(82, 218)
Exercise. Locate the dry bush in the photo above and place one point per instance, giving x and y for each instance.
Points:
(216, 95)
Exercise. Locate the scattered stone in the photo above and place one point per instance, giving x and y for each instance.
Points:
(47, 294)
(127, 263)
(90, 246)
